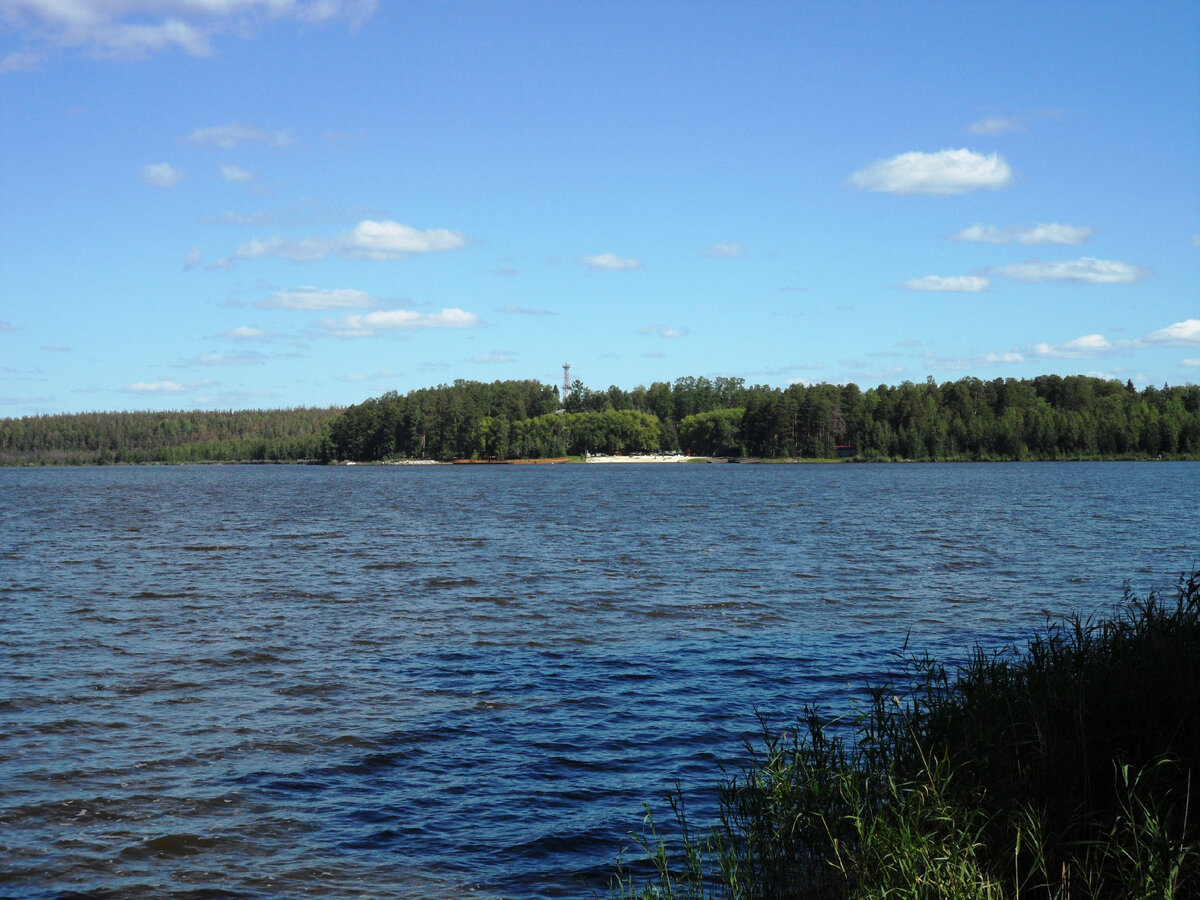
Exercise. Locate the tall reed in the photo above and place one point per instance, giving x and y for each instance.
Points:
(1060, 770)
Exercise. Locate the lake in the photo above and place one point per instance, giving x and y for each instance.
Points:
(463, 681)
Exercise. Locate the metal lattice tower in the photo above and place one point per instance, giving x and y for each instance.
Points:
(566, 382)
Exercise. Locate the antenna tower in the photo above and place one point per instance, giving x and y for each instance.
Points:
(566, 382)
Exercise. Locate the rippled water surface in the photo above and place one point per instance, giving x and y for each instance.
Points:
(463, 681)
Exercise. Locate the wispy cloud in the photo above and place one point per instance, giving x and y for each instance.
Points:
(248, 333)
(163, 175)
(192, 260)
(235, 173)
(723, 250)
(993, 125)
(318, 298)
(260, 217)
(1049, 233)
(7, 326)
(496, 357)
(511, 310)
(610, 262)
(665, 331)
(135, 29)
(960, 283)
(368, 240)
(1079, 271)
(1012, 356)
(21, 61)
(244, 358)
(226, 137)
(369, 324)
(156, 387)
(942, 173)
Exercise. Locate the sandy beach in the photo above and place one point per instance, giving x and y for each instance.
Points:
(649, 458)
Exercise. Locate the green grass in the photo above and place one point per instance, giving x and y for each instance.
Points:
(1060, 770)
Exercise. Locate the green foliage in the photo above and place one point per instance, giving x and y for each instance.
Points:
(285, 435)
(715, 433)
(446, 422)
(1048, 417)
(1063, 771)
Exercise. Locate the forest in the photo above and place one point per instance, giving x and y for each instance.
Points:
(1044, 418)
(1048, 417)
(281, 435)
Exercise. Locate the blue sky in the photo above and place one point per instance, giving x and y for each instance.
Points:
(268, 203)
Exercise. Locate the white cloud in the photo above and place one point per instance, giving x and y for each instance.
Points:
(963, 283)
(723, 250)
(1049, 233)
(163, 175)
(1181, 334)
(231, 172)
(524, 311)
(304, 250)
(247, 333)
(135, 29)
(1190, 363)
(155, 387)
(192, 260)
(368, 324)
(369, 240)
(1086, 346)
(391, 240)
(664, 331)
(495, 357)
(234, 134)
(317, 298)
(993, 125)
(942, 173)
(610, 262)
(1080, 271)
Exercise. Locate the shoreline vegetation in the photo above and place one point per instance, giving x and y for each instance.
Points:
(1049, 417)
(1065, 769)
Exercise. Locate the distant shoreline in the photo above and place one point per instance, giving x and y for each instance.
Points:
(649, 459)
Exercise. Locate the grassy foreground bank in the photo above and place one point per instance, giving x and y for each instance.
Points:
(1064, 769)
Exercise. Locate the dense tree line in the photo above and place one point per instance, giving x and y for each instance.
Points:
(447, 422)
(1048, 417)
(283, 435)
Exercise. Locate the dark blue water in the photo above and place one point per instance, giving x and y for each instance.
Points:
(464, 681)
